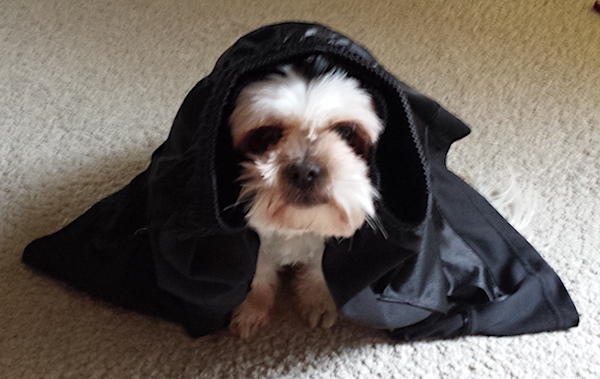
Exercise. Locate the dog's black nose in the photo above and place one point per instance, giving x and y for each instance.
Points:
(303, 174)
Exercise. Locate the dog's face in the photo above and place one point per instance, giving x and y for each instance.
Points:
(307, 142)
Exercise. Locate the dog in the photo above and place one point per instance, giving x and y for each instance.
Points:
(305, 132)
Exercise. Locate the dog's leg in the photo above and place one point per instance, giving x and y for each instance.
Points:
(255, 312)
(314, 300)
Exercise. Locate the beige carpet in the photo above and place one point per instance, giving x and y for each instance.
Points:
(89, 88)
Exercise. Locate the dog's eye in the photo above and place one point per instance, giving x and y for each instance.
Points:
(346, 131)
(260, 140)
(351, 133)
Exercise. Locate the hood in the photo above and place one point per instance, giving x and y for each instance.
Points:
(206, 177)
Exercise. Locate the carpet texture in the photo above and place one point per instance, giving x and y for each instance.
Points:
(89, 89)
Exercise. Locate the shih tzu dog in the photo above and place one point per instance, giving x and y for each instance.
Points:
(305, 132)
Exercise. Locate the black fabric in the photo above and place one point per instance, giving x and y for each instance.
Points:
(442, 262)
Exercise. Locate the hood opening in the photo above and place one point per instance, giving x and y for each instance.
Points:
(397, 166)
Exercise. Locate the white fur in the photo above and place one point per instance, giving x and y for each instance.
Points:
(311, 105)
(517, 203)
(289, 234)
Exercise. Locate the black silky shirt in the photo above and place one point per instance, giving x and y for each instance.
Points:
(443, 263)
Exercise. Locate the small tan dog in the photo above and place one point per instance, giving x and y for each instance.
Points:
(306, 136)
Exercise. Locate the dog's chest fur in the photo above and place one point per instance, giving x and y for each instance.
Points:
(284, 250)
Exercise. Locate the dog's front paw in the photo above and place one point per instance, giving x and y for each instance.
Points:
(247, 321)
(253, 314)
(316, 306)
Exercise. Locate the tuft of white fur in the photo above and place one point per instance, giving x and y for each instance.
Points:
(516, 203)
(309, 105)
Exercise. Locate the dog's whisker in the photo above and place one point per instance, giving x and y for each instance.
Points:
(348, 181)
(231, 206)
(236, 204)
(375, 223)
